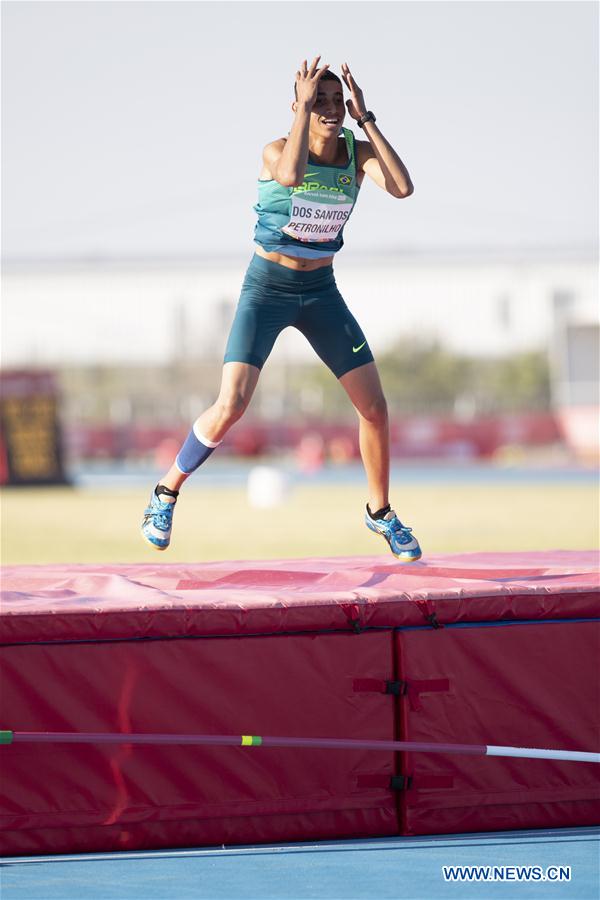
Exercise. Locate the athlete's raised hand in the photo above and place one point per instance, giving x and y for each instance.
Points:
(356, 104)
(307, 81)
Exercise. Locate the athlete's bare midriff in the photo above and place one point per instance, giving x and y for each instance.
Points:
(295, 262)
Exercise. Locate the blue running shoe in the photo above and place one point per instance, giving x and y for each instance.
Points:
(403, 545)
(158, 518)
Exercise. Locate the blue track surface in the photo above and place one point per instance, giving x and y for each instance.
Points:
(234, 473)
(401, 868)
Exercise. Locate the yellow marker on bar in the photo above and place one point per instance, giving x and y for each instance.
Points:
(251, 740)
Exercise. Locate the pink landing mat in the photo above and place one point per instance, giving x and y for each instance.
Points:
(99, 602)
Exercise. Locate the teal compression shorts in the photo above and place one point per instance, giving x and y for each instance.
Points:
(274, 297)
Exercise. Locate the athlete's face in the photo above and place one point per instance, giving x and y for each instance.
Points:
(328, 112)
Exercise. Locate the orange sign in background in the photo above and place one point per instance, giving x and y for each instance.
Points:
(30, 437)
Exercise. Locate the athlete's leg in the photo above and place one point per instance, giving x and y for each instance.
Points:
(338, 339)
(263, 310)
(260, 316)
(237, 387)
(363, 387)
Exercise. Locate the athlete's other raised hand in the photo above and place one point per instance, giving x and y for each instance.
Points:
(356, 104)
(307, 82)
(376, 157)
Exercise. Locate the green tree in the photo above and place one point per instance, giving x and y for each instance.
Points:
(423, 377)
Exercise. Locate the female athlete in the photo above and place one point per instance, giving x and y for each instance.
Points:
(307, 189)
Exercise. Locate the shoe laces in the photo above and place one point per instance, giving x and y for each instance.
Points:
(403, 531)
(162, 513)
(163, 520)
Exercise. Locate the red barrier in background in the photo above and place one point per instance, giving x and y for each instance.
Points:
(411, 436)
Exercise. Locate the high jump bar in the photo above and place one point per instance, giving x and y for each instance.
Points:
(246, 740)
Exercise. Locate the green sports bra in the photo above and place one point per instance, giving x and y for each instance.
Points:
(308, 220)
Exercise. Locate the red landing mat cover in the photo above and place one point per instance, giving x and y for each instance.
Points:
(521, 685)
(83, 602)
(66, 798)
(112, 649)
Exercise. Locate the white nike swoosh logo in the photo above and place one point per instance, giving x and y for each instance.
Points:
(356, 349)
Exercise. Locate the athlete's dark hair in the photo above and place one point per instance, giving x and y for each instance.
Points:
(326, 76)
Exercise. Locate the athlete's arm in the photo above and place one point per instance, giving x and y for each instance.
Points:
(376, 157)
(286, 159)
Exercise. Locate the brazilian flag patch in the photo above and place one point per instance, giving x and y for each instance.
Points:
(344, 179)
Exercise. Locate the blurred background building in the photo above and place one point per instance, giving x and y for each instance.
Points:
(479, 352)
